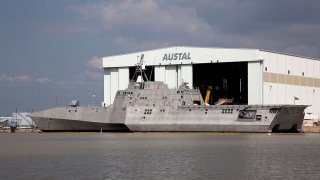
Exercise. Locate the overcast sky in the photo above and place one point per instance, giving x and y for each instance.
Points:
(50, 50)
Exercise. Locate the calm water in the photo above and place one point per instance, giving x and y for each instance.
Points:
(159, 156)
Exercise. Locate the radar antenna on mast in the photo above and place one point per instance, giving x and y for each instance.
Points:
(140, 74)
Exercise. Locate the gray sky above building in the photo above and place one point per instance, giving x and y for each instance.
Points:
(50, 51)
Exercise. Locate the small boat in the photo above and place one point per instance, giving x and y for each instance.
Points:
(13, 126)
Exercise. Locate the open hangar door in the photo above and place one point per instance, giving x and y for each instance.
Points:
(149, 72)
(225, 80)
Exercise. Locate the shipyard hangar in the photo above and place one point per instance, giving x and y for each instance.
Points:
(234, 76)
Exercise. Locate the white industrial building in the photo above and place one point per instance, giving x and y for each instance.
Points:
(21, 118)
(249, 76)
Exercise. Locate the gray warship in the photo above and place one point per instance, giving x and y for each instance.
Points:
(147, 106)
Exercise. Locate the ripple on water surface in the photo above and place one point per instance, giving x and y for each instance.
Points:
(159, 155)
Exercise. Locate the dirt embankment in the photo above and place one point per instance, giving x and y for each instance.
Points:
(18, 130)
(311, 129)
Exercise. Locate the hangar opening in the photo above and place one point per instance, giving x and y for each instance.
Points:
(227, 82)
(149, 72)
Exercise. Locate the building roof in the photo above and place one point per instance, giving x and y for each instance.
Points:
(188, 55)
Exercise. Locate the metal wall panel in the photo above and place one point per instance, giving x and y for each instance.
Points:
(310, 100)
(289, 79)
(179, 78)
(266, 77)
(172, 76)
(255, 82)
(266, 92)
(281, 78)
(235, 55)
(281, 63)
(186, 74)
(265, 57)
(303, 66)
(114, 83)
(107, 87)
(123, 78)
(273, 63)
(273, 98)
(288, 65)
(289, 94)
(316, 103)
(295, 66)
(303, 95)
(160, 73)
(281, 94)
(310, 68)
(317, 69)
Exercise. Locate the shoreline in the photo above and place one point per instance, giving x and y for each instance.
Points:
(19, 130)
(305, 129)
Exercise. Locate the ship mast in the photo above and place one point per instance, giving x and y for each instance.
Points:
(140, 74)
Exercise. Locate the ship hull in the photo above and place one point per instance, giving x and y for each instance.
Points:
(218, 119)
(59, 125)
(173, 119)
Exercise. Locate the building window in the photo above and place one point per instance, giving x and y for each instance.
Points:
(288, 71)
(265, 69)
(302, 73)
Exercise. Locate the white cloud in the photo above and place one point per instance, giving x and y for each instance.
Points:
(95, 62)
(20, 79)
(5, 78)
(145, 16)
(28, 79)
(44, 80)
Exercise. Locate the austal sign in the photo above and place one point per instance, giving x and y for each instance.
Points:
(176, 56)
